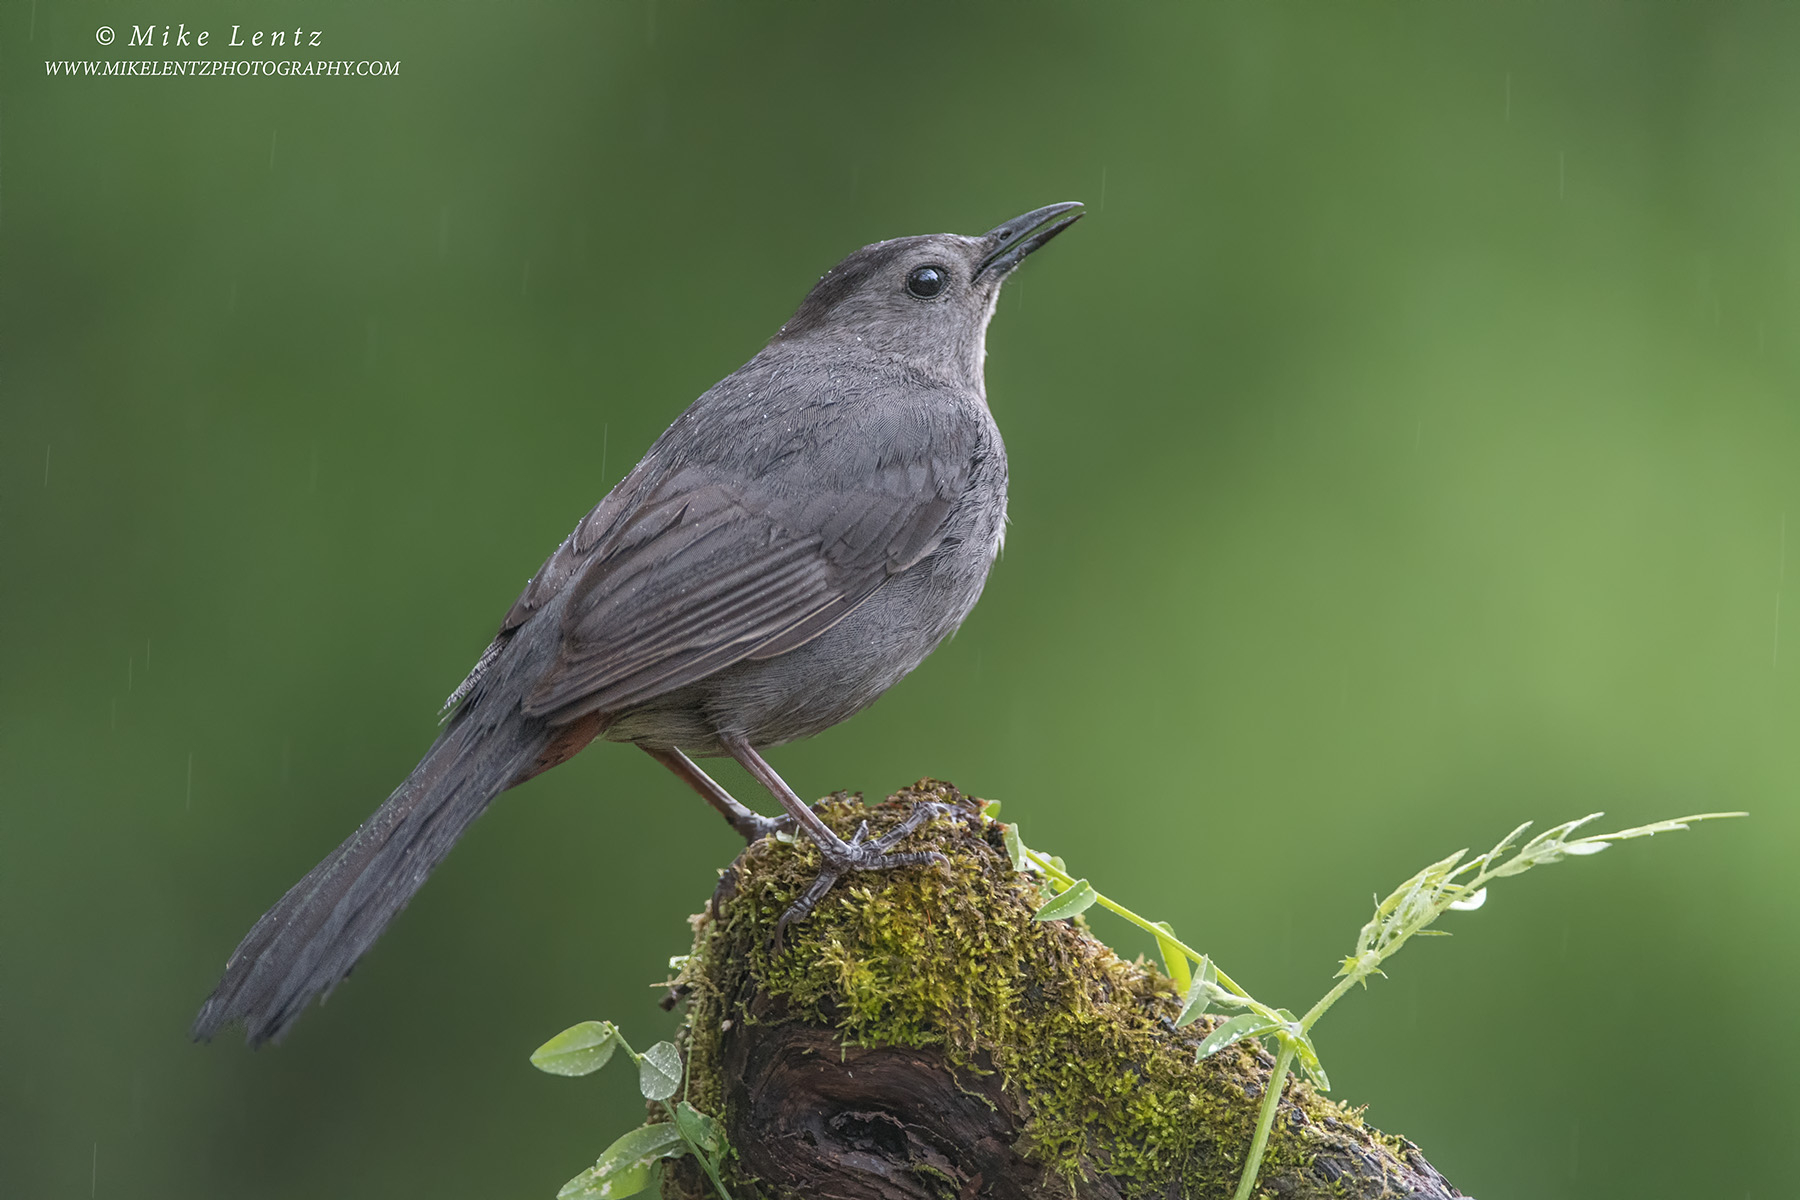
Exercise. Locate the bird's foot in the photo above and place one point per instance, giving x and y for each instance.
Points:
(842, 858)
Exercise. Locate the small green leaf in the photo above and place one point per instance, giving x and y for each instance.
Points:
(991, 809)
(1200, 993)
(699, 1129)
(643, 1144)
(591, 1185)
(1308, 1056)
(659, 1071)
(1246, 1025)
(1174, 961)
(626, 1167)
(1079, 897)
(579, 1050)
(1015, 849)
(1195, 1004)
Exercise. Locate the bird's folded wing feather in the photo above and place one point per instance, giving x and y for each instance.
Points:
(700, 574)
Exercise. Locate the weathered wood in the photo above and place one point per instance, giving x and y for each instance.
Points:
(921, 1038)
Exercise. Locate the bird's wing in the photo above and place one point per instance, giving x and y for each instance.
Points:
(700, 573)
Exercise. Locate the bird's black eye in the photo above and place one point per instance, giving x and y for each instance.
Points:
(926, 282)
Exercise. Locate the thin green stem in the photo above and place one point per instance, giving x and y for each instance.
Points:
(1284, 1058)
(1265, 1120)
(705, 1162)
(1382, 954)
(1330, 998)
(1067, 880)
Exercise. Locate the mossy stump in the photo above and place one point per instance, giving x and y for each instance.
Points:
(920, 1036)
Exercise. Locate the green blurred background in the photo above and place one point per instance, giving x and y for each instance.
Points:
(1405, 446)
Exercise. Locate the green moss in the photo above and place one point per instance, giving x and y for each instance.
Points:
(949, 957)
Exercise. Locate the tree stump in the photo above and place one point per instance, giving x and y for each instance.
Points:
(920, 1037)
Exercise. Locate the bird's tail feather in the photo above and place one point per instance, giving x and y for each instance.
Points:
(312, 938)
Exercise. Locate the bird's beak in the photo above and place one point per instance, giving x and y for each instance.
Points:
(1011, 242)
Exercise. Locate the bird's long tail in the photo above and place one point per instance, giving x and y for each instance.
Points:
(312, 938)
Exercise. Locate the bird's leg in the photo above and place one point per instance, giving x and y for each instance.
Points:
(840, 857)
(750, 825)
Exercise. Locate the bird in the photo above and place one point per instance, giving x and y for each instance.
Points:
(796, 542)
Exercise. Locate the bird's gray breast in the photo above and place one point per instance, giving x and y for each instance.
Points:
(847, 667)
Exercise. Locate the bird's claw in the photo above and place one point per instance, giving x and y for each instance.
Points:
(860, 854)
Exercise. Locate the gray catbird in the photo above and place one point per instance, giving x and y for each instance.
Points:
(795, 543)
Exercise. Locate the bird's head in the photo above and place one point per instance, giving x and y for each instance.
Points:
(924, 300)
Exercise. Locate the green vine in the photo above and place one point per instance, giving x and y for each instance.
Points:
(1450, 884)
(633, 1163)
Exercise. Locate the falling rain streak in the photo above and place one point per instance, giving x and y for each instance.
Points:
(1780, 582)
